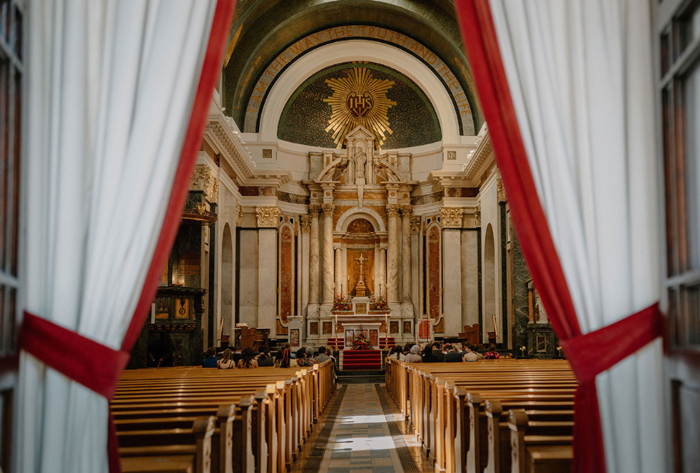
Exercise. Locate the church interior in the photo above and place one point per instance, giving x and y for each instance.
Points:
(348, 195)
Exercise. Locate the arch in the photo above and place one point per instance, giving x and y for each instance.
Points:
(227, 270)
(489, 282)
(358, 50)
(360, 212)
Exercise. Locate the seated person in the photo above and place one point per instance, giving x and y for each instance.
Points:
(227, 362)
(437, 353)
(452, 356)
(471, 354)
(397, 353)
(210, 361)
(492, 354)
(264, 357)
(322, 355)
(414, 356)
(248, 360)
(310, 356)
(428, 354)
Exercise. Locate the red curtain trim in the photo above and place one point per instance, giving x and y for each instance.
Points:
(481, 43)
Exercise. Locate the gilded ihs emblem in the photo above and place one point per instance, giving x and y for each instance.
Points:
(359, 99)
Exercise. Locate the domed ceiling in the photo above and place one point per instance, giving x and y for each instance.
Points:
(337, 99)
(265, 31)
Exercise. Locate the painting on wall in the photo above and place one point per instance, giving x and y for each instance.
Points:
(294, 337)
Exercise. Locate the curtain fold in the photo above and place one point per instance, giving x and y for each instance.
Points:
(578, 80)
(110, 90)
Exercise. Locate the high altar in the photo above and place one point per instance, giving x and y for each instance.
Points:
(361, 224)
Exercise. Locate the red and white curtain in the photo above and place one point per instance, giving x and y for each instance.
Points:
(567, 90)
(118, 93)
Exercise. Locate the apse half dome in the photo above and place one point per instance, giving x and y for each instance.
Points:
(332, 102)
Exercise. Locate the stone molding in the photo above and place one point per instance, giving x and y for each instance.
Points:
(268, 217)
(415, 224)
(220, 133)
(477, 157)
(203, 179)
(392, 210)
(305, 223)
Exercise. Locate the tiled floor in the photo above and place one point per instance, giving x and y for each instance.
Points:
(364, 434)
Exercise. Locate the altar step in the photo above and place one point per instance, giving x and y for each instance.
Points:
(361, 377)
(355, 360)
(384, 343)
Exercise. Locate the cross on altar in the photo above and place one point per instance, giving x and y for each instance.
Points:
(361, 260)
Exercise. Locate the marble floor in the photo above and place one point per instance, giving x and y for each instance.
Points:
(362, 432)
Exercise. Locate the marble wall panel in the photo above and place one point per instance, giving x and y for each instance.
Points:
(286, 273)
(470, 277)
(248, 294)
(434, 287)
(452, 281)
(267, 277)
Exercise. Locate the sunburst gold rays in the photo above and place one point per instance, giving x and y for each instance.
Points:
(369, 106)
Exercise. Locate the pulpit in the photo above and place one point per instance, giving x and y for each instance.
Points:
(470, 334)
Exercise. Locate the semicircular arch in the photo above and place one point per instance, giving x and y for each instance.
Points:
(355, 213)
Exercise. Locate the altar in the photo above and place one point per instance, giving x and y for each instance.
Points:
(370, 330)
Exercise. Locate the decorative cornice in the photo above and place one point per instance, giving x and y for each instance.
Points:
(268, 217)
(305, 223)
(221, 134)
(415, 224)
(451, 217)
(478, 157)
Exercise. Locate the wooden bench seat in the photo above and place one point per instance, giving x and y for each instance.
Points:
(158, 464)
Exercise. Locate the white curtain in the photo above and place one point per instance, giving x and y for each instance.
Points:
(110, 88)
(581, 78)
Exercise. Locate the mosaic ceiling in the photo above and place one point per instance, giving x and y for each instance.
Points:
(334, 101)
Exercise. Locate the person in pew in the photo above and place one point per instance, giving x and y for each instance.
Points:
(210, 361)
(414, 355)
(302, 359)
(397, 354)
(437, 353)
(428, 354)
(322, 355)
(471, 354)
(453, 356)
(248, 360)
(237, 355)
(226, 363)
(491, 354)
(310, 356)
(284, 356)
(264, 357)
(407, 348)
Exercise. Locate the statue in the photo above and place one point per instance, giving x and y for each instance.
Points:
(360, 161)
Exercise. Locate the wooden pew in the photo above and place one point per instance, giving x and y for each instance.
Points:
(534, 450)
(194, 441)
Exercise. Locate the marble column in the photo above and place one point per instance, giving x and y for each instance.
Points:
(392, 258)
(406, 213)
(382, 271)
(328, 281)
(314, 274)
(338, 269)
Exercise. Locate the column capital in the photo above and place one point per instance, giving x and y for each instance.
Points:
(392, 210)
(406, 211)
(328, 210)
(499, 189)
(239, 214)
(415, 224)
(305, 223)
(451, 217)
(477, 214)
(314, 211)
(337, 246)
(268, 217)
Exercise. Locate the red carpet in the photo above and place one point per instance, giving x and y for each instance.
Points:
(355, 360)
(384, 343)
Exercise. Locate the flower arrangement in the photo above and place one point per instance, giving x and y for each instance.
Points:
(379, 304)
(361, 342)
(341, 304)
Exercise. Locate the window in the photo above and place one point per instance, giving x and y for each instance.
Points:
(11, 70)
(679, 87)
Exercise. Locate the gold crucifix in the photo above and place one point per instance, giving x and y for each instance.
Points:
(361, 259)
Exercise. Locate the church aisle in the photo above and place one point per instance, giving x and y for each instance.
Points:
(361, 435)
